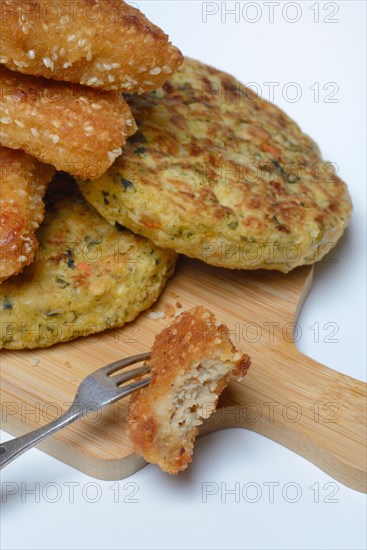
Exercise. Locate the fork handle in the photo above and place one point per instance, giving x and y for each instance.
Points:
(10, 450)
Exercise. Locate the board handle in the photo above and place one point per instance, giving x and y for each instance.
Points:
(309, 408)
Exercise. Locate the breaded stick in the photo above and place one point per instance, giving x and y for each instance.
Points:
(74, 128)
(106, 44)
(192, 362)
(23, 182)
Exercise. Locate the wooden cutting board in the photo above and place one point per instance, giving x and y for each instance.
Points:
(315, 411)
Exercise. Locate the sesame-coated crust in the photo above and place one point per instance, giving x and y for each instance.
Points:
(193, 338)
(105, 44)
(76, 129)
(23, 182)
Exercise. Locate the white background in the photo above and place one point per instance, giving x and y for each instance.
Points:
(170, 512)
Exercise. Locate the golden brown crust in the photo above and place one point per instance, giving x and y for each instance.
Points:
(105, 44)
(74, 128)
(192, 362)
(87, 276)
(23, 182)
(219, 174)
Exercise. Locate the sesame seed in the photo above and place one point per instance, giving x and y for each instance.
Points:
(26, 28)
(64, 20)
(96, 107)
(62, 52)
(129, 122)
(55, 138)
(91, 81)
(111, 78)
(116, 65)
(31, 54)
(112, 155)
(166, 70)
(71, 37)
(155, 71)
(22, 259)
(3, 59)
(20, 63)
(19, 123)
(48, 63)
(89, 56)
(35, 132)
(155, 315)
(143, 69)
(5, 120)
(67, 65)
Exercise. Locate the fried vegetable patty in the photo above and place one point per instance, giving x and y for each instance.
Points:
(88, 276)
(217, 173)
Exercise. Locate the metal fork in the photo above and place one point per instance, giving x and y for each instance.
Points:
(98, 389)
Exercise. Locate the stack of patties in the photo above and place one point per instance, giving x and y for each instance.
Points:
(63, 69)
(200, 166)
(212, 171)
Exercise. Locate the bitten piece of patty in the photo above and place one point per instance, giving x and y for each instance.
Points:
(192, 362)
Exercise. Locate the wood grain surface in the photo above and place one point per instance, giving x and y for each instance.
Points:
(286, 396)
